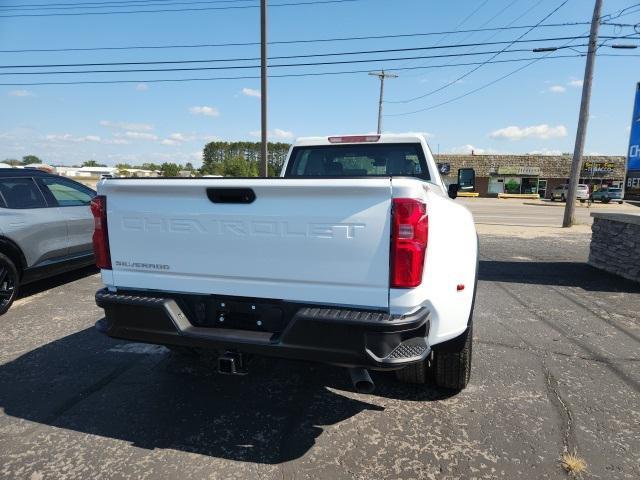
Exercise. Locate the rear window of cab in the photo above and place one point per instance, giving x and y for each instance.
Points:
(359, 160)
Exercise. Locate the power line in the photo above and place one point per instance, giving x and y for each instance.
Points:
(194, 9)
(90, 3)
(286, 42)
(242, 67)
(147, 3)
(459, 24)
(310, 55)
(509, 24)
(306, 74)
(482, 87)
(448, 84)
(486, 85)
(620, 13)
(289, 75)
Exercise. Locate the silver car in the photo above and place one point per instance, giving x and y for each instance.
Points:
(561, 193)
(46, 227)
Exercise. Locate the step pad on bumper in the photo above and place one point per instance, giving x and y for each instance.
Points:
(409, 351)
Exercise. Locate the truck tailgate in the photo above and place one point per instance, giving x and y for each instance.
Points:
(323, 241)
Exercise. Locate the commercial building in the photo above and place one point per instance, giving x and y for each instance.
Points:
(495, 174)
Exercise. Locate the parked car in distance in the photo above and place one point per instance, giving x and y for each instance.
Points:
(561, 193)
(46, 228)
(605, 195)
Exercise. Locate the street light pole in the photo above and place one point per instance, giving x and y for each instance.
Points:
(381, 75)
(264, 151)
(576, 165)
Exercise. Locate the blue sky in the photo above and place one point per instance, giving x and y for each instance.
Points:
(534, 110)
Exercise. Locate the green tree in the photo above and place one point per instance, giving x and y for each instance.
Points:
(170, 170)
(29, 159)
(189, 167)
(92, 163)
(12, 161)
(236, 167)
(216, 154)
(149, 166)
(122, 166)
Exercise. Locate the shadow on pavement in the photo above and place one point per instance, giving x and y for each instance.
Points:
(55, 281)
(152, 399)
(566, 274)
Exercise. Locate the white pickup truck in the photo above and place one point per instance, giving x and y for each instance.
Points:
(356, 256)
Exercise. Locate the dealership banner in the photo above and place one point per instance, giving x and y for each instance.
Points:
(633, 162)
(632, 190)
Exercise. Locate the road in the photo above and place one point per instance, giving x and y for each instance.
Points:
(516, 212)
(555, 369)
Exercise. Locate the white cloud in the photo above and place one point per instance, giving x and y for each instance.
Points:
(545, 151)
(468, 149)
(543, 132)
(204, 110)
(282, 134)
(575, 83)
(68, 137)
(557, 89)
(178, 138)
(140, 136)
(182, 137)
(135, 127)
(275, 134)
(142, 87)
(250, 92)
(21, 93)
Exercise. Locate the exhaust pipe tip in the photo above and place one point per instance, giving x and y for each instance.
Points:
(361, 380)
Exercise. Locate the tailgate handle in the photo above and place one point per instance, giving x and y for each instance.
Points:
(231, 195)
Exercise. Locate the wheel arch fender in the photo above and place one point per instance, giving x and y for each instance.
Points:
(14, 252)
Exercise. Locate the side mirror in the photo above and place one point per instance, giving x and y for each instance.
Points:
(453, 190)
(467, 179)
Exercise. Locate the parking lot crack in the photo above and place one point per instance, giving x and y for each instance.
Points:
(568, 435)
(585, 347)
(540, 352)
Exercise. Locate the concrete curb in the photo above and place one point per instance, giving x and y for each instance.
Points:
(598, 205)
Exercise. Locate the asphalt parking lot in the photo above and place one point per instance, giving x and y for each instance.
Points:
(555, 370)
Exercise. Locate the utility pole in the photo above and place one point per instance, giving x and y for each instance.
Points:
(264, 150)
(576, 165)
(381, 75)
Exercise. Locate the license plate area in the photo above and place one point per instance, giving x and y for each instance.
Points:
(243, 315)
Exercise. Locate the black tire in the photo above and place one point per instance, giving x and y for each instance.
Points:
(452, 362)
(620, 203)
(8, 283)
(606, 200)
(448, 366)
(582, 201)
(562, 199)
(418, 373)
(553, 199)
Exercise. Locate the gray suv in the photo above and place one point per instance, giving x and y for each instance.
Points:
(45, 228)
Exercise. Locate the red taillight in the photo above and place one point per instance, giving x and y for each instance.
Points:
(355, 139)
(100, 236)
(408, 242)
